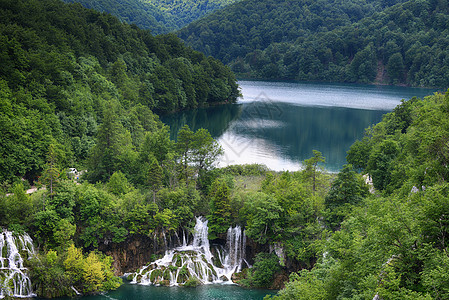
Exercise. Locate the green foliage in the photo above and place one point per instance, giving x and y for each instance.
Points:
(380, 163)
(56, 274)
(185, 202)
(386, 42)
(49, 277)
(198, 152)
(220, 208)
(192, 282)
(90, 274)
(113, 150)
(358, 154)
(118, 184)
(265, 267)
(347, 189)
(84, 82)
(157, 16)
(184, 12)
(286, 211)
(312, 167)
(16, 209)
(305, 286)
(392, 244)
(63, 233)
(245, 170)
(395, 68)
(263, 217)
(154, 176)
(51, 173)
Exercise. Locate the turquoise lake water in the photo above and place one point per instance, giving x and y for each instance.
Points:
(279, 123)
(206, 292)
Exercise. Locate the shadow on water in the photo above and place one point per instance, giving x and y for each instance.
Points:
(216, 119)
(287, 131)
(297, 130)
(279, 124)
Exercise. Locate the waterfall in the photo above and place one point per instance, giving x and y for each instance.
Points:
(236, 244)
(196, 261)
(14, 281)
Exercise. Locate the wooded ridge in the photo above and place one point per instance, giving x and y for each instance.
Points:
(383, 42)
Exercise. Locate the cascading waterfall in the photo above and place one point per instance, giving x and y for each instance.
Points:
(196, 261)
(236, 244)
(14, 281)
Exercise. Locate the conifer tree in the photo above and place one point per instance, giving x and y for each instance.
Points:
(51, 172)
(312, 165)
(154, 176)
(220, 207)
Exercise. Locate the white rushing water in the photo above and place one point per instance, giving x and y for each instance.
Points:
(14, 281)
(197, 261)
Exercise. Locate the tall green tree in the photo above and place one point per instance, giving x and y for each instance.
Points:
(220, 208)
(184, 146)
(347, 189)
(206, 151)
(381, 163)
(51, 173)
(155, 174)
(113, 150)
(395, 68)
(312, 166)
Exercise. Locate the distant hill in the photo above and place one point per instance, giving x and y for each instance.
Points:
(144, 15)
(161, 16)
(187, 11)
(391, 42)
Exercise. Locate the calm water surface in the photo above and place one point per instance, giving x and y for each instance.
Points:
(279, 123)
(206, 292)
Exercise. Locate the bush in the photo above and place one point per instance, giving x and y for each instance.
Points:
(265, 267)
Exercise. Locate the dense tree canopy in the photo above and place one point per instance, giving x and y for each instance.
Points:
(143, 14)
(393, 42)
(391, 243)
(70, 74)
(158, 16)
(184, 12)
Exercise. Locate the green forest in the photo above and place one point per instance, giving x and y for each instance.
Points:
(143, 14)
(383, 42)
(187, 11)
(157, 16)
(80, 89)
(66, 69)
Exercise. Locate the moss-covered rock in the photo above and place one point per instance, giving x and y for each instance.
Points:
(155, 274)
(192, 282)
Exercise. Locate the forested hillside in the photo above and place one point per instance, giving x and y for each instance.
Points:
(157, 16)
(64, 68)
(364, 41)
(187, 11)
(143, 14)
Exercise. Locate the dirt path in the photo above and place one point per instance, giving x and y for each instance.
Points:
(30, 191)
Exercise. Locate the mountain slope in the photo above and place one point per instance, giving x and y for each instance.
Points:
(144, 15)
(157, 16)
(329, 40)
(63, 67)
(187, 11)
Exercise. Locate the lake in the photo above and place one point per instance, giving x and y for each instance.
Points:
(205, 292)
(279, 123)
